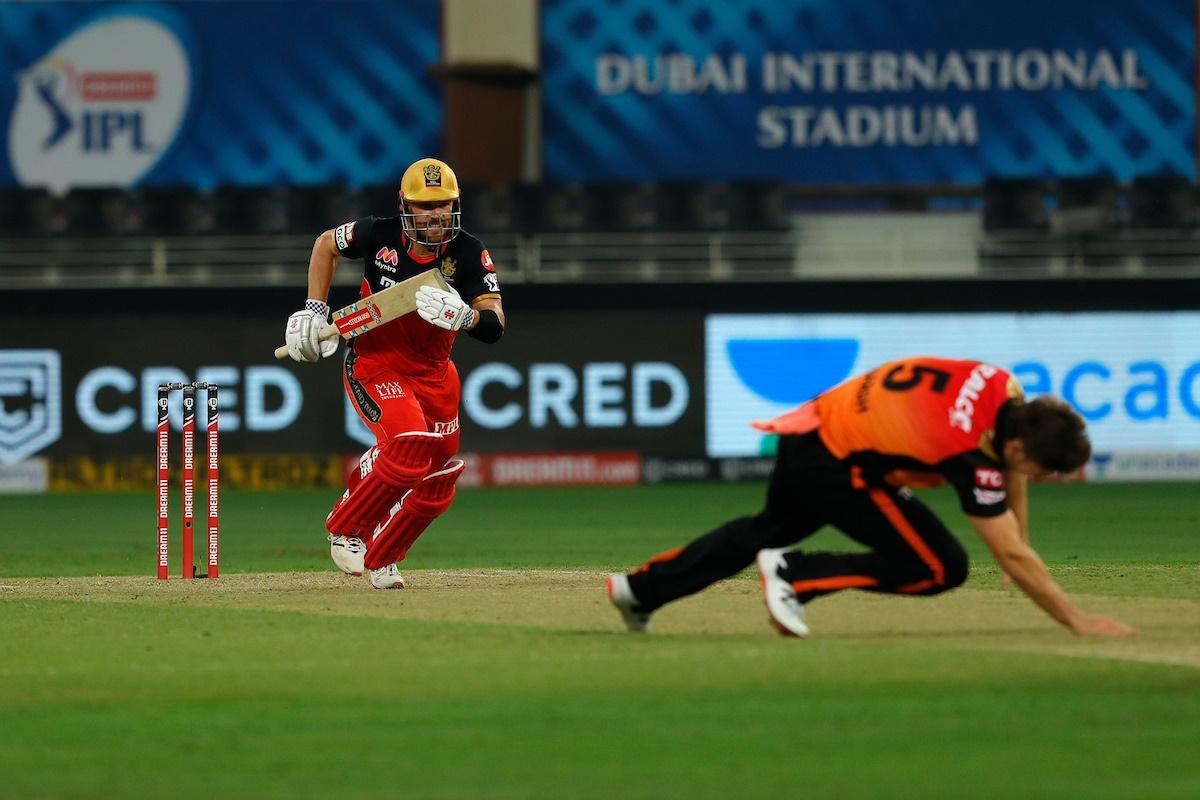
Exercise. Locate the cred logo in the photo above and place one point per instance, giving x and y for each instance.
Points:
(30, 407)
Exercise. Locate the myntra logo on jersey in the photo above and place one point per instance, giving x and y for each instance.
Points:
(1135, 377)
(102, 107)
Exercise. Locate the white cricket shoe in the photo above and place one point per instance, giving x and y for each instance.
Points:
(388, 577)
(621, 596)
(786, 610)
(347, 553)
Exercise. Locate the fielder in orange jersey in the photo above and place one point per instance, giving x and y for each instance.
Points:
(848, 458)
(399, 376)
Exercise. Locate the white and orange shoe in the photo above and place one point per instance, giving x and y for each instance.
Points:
(388, 577)
(621, 596)
(784, 607)
(347, 553)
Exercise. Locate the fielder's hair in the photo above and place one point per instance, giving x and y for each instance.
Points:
(1054, 436)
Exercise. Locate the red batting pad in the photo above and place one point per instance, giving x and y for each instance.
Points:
(412, 515)
(398, 465)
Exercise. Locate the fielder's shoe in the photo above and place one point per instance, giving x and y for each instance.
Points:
(621, 596)
(387, 578)
(347, 552)
(786, 610)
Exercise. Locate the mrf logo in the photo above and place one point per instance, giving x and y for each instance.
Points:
(30, 402)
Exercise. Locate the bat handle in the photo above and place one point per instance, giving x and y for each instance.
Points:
(328, 332)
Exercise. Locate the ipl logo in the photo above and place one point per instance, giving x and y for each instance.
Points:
(101, 107)
(30, 402)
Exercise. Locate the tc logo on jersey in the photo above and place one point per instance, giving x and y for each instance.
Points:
(989, 478)
(387, 255)
(30, 402)
(449, 266)
(343, 235)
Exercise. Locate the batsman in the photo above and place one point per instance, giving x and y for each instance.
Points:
(399, 376)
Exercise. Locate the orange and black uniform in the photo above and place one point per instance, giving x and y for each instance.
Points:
(847, 459)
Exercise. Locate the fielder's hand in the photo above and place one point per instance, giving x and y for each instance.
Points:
(444, 309)
(302, 335)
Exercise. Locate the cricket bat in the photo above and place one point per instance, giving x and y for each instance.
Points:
(378, 309)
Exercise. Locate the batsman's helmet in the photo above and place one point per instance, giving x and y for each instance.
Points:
(429, 181)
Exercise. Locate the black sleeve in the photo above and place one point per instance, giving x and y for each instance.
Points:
(476, 276)
(979, 482)
(352, 239)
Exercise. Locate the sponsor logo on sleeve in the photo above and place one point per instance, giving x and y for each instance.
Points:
(485, 258)
(446, 428)
(343, 235)
(492, 282)
(987, 478)
(989, 497)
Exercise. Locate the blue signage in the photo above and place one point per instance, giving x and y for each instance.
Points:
(200, 93)
(857, 91)
(1135, 377)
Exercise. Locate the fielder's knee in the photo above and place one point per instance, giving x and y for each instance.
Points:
(957, 568)
(950, 572)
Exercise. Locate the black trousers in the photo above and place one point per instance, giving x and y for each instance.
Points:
(911, 550)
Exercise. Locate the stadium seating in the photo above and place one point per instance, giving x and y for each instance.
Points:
(1162, 201)
(1015, 204)
(1087, 205)
(632, 230)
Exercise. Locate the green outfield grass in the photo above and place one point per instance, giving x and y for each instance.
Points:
(502, 672)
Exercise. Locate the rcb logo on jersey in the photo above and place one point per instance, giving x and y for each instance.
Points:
(449, 266)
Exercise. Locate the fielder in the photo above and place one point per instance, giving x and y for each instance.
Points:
(847, 459)
(399, 376)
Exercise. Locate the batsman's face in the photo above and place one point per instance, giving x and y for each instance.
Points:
(432, 219)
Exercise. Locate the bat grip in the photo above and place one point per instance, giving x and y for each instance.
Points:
(328, 332)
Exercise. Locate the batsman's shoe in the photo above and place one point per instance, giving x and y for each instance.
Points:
(347, 553)
(387, 578)
(621, 596)
(785, 608)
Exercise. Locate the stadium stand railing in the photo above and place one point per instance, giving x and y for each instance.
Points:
(622, 231)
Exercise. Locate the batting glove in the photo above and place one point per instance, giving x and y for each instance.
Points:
(444, 309)
(303, 333)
